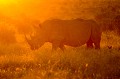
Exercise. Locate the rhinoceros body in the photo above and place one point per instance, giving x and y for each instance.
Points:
(73, 33)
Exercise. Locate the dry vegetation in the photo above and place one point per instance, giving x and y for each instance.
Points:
(18, 62)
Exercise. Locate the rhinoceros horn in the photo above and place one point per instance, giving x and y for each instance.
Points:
(28, 40)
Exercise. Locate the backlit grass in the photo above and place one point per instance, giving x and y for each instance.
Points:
(18, 62)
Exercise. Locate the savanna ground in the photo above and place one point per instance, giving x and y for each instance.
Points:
(18, 62)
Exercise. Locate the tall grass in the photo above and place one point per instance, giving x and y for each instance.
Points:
(18, 62)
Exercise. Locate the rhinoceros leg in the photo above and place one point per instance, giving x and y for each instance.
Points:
(62, 47)
(96, 41)
(90, 43)
(55, 45)
(96, 36)
(97, 44)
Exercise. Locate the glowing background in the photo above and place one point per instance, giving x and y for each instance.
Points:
(23, 13)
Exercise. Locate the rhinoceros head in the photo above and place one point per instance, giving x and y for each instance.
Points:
(35, 42)
(32, 43)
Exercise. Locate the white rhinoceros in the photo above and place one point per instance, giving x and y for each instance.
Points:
(73, 33)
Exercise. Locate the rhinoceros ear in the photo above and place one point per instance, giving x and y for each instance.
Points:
(37, 26)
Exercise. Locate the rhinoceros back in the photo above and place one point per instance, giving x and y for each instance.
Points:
(71, 32)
